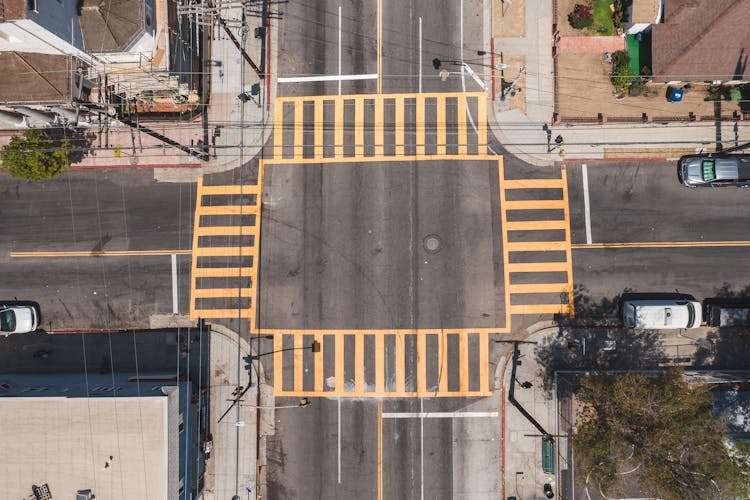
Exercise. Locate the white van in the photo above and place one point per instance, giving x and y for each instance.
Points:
(661, 314)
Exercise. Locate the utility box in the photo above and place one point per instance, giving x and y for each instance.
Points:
(548, 456)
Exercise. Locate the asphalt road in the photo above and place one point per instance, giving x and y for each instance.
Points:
(631, 202)
(92, 212)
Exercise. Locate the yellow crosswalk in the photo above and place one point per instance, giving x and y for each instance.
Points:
(365, 364)
(536, 245)
(225, 251)
(379, 127)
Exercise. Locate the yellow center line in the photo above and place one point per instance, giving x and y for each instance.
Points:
(663, 244)
(103, 253)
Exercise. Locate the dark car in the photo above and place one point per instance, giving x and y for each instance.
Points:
(714, 170)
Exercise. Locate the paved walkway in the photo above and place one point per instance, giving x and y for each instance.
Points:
(598, 44)
(522, 134)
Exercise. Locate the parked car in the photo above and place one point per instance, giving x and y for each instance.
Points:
(661, 314)
(714, 170)
(727, 312)
(18, 318)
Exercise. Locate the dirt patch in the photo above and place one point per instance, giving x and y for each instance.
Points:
(584, 91)
(509, 19)
(514, 63)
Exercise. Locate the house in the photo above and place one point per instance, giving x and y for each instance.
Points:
(701, 41)
(113, 436)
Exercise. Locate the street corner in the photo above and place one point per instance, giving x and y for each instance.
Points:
(509, 18)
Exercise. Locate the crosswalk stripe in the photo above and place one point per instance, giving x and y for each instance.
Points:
(536, 246)
(318, 130)
(443, 363)
(319, 364)
(420, 128)
(533, 225)
(359, 127)
(238, 251)
(537, 267)
(278, 368)
(229, 189)
(278, 130)
(533, 204)
(400, 117)
(223, 272)
(338, 125)
(538, 308)
(531, 183)
(538, 287)
(299, 131)
(462, 137)
(483, 363)
(202, 293)
(298, 365)
(400, 360)
(421, 364)
(463, 362)
(226, 230)
(442, 129)
(229, 210)
(379, 127)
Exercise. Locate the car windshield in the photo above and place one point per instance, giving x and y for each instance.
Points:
(709, 172)
(7, 321)
(691, 315)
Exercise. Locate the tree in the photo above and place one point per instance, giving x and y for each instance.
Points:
(581, 16)
(35, 155)
(679, 448)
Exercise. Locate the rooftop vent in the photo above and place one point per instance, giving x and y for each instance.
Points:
(84, 495)
(41, 492)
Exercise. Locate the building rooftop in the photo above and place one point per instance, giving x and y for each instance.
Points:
(702, 40)
(110, 25)
(30, 77)
(116, 447)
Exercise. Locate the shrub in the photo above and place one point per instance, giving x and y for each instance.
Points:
(637, 87)
(581, 17)
(622, 77)
(35, 155)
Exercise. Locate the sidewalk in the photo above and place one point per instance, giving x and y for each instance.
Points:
(231, 468)
(523, 465)
(520, 129)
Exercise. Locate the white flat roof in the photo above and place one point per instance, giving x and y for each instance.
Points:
(67, 443)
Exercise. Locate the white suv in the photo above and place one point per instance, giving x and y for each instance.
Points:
(18, 319)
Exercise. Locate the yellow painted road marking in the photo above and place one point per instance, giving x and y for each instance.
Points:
(229, 189)
(379, 127)
(201, 293)
(319, 365)
(103, 253)
(359, 363)
(223, 272)
(400, 363)
(299, 130)
(463, 133)
(537, 267)
(392, 331)
(663, 244)
(298, 365)
(400, 125)
(239, 251)
(339, 363)
(242, 313)
(483, 363)
(420, 119)
(226, 230)
(442, 129)
(379, 363)
(230, 210)
(421, 364)
(534, 204)
(194, 260)
(568, 256)
(538, 287)
(531, 183)
(538, 308)
(504, 220)
(463, 362)
(318, 134)
(359, 127)
(536, 246)
(532, 225)
(443, 362)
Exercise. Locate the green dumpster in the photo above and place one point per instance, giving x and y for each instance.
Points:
(548, 456)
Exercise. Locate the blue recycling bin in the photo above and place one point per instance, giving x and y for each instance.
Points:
(675, 95)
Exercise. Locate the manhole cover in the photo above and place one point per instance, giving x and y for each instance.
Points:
(432, 243)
